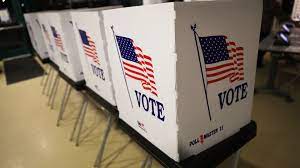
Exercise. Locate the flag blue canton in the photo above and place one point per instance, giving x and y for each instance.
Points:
(83, 37)
(53, 31)
(126, 48)
(214, 49)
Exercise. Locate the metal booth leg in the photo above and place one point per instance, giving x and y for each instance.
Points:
(82, 108)
(45, 73)
(104, 140)
(147, 162)
(54, 94)
(47, 80)
(67, 99)
(50, 82)
(53, 88)
(81, 122)
(237, 158)
(64, 102)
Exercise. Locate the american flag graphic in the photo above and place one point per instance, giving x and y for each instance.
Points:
(38, 23)
(89, 47)
(223, 59)
(32, 34)
(136, 64)
(57, 38)
(46, 32)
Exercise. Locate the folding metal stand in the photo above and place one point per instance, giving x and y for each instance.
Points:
(53, 91)
(148, 162)
(80, 85)
(80, 120)
(47, 79)
(44, 61)
(104, 140)
(45, 74)
(50, 83)
(109, 109)
(64, 103)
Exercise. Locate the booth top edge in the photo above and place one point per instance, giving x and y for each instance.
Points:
(172, 4)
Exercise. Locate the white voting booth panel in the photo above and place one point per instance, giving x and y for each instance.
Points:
(28, 23)
(35, 34)
(62, 32)
(90, 37)
(47, 36)
(184, 96)
(37, 30)
(60, 42)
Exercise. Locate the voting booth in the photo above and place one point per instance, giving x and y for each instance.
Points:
(43, 18)
(184, 72)
(35, 33)
(27, 17)
(90, 37)
(61, 28)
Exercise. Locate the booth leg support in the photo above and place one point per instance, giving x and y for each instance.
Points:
(45, 73)
(50, 82)
(53, 89)
(62, 105)
(237, 158)
(84, 101)
(47, 80)
(104, 140)
(81, 123)
(147, 162)
(67, 100)
(54, 94)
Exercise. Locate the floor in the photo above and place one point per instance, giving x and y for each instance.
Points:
(30, 139)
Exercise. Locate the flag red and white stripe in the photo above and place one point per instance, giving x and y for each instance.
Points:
(90, 50)
(142, 71)
(58, 42)
(232, 68)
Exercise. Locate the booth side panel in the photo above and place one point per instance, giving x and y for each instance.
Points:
(46, 35)
(106, 57)
(73, 66)
(60, 42)
(87, 74)
(91, 41)
(54, 53)
(150, 30)
(216, 102)
(27, 17)
(41, 46)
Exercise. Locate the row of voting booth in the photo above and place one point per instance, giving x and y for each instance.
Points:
(181, 74)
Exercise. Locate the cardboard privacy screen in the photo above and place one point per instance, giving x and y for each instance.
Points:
(184, 72)
(90, 38)
(27, 17)
(35, 34)
(61, 26)
(43, 18)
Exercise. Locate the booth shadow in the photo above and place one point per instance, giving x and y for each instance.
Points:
(113, 156)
